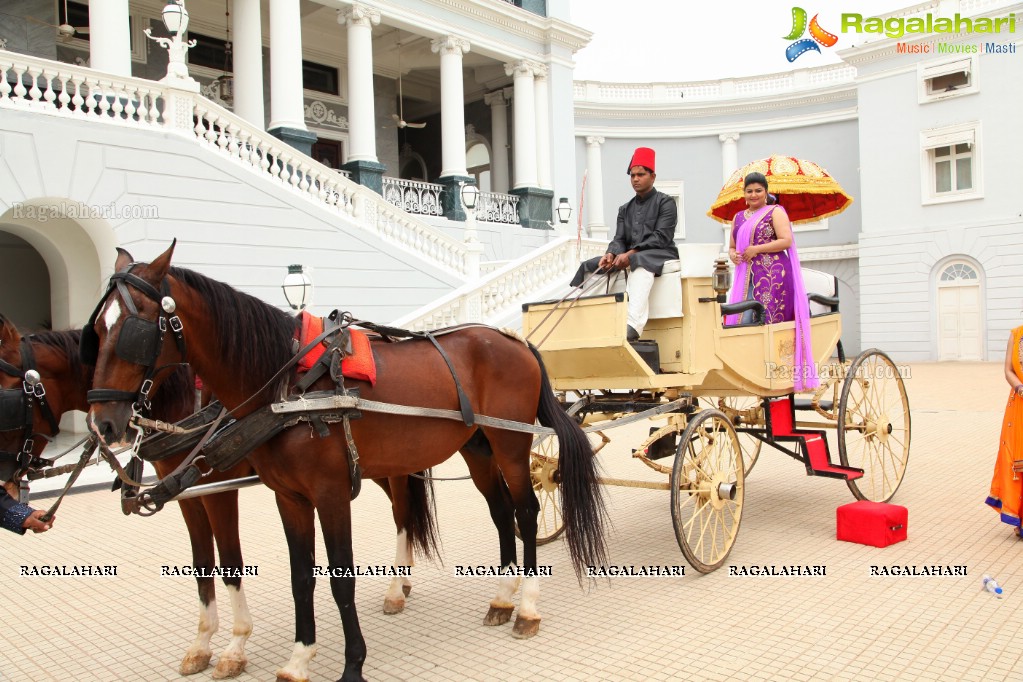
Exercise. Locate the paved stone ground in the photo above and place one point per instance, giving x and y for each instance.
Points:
(845, 625)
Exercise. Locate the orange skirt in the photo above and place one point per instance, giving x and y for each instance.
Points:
(1007, 485)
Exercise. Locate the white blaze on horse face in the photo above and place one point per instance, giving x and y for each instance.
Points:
(298, 667)
(530, 595)
(112, 314)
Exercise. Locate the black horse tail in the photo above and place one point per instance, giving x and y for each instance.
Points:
(581, 495)
(421, 521)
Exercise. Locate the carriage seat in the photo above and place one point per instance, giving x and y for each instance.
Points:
(822, 290)
(695, 260)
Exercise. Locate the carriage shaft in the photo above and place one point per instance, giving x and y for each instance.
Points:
(218, 487)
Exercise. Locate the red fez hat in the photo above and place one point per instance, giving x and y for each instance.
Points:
(643, 156)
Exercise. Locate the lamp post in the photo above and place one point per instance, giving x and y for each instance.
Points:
(297, 287)
(470, 195)
(175, 18)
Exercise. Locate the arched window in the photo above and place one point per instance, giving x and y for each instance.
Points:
(955, 272)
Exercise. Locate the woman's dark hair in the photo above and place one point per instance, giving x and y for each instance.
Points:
(755, 178)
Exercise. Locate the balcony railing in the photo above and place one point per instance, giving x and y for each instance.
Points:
(498, 208)
(413, 196)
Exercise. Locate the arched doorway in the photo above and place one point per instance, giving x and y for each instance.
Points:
(24, 284)
(477, 162)
(959, 311)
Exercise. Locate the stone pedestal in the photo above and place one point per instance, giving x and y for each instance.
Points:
(367, 173)
(535, 207)
(302, 140)
(451, 196)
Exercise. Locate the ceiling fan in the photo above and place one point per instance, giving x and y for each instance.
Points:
(66, 31)
(399, 118)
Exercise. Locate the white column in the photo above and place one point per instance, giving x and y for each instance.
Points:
(525, 123)
(543, 127)
(362, 133)
(729, 164)
(109, 40)
(452, 104)
(499, 140)
(248, 62)
(595, 189)
(729, 154)
(287, 109)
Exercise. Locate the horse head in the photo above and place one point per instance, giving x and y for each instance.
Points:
(124, 339)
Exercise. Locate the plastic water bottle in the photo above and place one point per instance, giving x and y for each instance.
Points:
(991, 586)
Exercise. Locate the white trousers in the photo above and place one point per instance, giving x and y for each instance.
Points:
(641, 281)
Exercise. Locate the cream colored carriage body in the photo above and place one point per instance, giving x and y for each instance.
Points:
(585, 347)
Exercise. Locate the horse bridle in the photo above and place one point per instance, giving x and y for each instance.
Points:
(140, 341)
(17, 406)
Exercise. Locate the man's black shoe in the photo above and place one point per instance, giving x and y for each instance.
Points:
(631, 334)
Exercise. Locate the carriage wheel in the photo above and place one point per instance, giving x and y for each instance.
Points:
(707, 490)
(732, 405)
(544, 474)
(874, 426)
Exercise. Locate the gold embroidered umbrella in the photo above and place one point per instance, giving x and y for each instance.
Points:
(804, 190)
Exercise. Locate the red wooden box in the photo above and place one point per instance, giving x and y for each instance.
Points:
(872, 523)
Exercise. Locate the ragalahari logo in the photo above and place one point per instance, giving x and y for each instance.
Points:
(803, 45)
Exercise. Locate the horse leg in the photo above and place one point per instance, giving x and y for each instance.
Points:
(487, 478)
(336, 523)
(511, 454)
(197, 657)
(297, 517)
(400, 586)
(222, 511)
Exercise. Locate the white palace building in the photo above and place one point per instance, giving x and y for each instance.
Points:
(337, 135)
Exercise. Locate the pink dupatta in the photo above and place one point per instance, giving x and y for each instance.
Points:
(805, 370)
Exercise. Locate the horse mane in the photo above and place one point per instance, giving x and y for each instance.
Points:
(256, 337)
(66, 343)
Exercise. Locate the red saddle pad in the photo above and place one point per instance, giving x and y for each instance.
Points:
(360, 365)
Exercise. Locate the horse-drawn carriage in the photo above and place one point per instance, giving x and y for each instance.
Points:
(722, 392)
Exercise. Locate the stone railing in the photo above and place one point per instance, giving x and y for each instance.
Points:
(78, 93)
(495, 207)
(499, 294)
(730, 88)
(413, 196)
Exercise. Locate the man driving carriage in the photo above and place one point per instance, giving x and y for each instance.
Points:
(644, 241)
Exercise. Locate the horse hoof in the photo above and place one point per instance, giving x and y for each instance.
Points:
(498, 615)
(194, 663)
(525, 627)
(288, 677)
(229, 666)
(407, 589)
(393, 606)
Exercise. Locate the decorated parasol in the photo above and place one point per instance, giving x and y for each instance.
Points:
(804, 190)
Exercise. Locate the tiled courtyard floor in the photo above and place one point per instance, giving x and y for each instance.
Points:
(845, 625)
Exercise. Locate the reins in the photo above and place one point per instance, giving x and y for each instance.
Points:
(587, 285)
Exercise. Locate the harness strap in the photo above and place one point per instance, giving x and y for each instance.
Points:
(463, 401)
(354, 472)
(82, 461)
(28, 359)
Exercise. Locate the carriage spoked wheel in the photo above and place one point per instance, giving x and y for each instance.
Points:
(734, 407)
(707, 490)
(546, 479)
(874, 426)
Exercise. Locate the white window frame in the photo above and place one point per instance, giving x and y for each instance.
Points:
(814, 226)
(949, 136)
(676, 190)
(928, 70)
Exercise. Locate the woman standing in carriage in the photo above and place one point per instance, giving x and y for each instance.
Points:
(768, 270)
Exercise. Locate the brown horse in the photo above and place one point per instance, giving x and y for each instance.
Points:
(207, 518)
(237, 343)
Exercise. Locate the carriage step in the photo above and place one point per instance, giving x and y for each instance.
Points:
(649, 352)
(807, 404)
(813, 444)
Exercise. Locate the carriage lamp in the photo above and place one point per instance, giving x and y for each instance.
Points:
(564, 210)
(722, 279)
(470, 194)
(297, 287)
